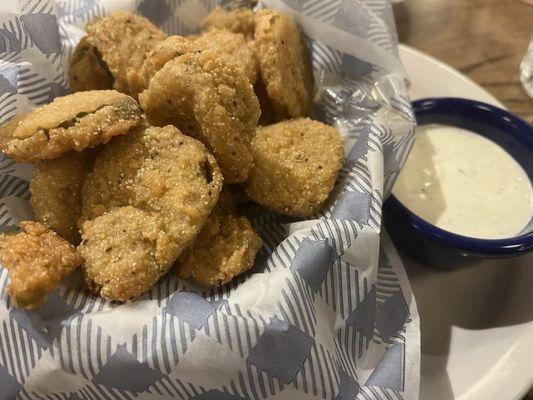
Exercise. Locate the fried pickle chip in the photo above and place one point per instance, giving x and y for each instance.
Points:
(233, 45)
(232, 48)
(127, 250)
(146, 199)
(169, 49)
(37, 259)
(296, 163)
(284, 63)
(239, 20)
(56, 192)
(73, 122)
(113, 45)
(210, 100)
(225, 247)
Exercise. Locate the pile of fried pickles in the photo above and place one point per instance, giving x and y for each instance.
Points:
(146, 167)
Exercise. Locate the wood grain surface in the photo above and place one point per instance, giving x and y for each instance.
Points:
(484, 39)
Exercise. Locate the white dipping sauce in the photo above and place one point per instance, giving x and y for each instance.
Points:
(464, 183)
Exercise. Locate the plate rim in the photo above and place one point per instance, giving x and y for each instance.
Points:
(448, 68)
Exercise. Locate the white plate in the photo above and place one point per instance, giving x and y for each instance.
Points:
(476, 322)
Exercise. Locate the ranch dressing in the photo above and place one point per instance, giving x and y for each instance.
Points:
(464, 183)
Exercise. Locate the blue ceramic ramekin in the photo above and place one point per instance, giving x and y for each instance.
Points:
(507, 130)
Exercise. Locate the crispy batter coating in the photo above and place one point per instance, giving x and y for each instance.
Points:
(239, 20)
(296, 163)
(225, 248)
(146, 199)
(284, 63)
(210, 100)
(233, 49)
(110, 183)
(37, 259)
(113, 45)
(170, 48)
(56, 192)
(127, 250)
(73, 122)
(234, 46)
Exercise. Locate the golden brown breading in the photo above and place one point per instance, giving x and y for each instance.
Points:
(296, 163)
(210, 100)
(56, 192)
(239, 20)
(284, 63)
(232, 48)
(146, 199)
(170, 48)
(113, 45)
(37, 259)
(225, 248)
(127, 251)
(73, 122)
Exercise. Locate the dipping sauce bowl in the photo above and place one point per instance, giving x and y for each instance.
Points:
(429, 243)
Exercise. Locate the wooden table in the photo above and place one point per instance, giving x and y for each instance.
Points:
(484, 39)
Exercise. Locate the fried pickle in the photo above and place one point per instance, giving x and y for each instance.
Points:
(225, 247)
(239, 20)
(165, 51)
(210, 100)
(37, 259)
(73, 122)
(113, 45)
(127, 250)
(232, 47)
(146, 199)
(284, 63)
(56, 192)
(296, 163)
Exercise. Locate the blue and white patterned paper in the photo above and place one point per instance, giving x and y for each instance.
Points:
(326, 313)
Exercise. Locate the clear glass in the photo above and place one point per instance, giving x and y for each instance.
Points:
(526, 70)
